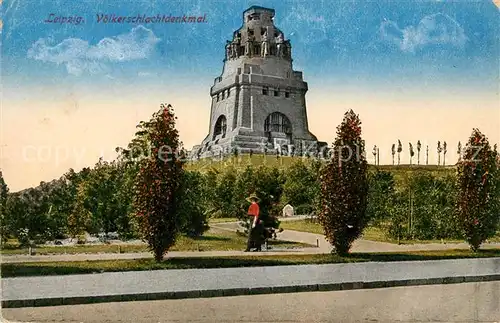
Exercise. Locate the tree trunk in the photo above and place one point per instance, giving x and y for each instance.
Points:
(474, 247)
(341, 250)
(158, 255)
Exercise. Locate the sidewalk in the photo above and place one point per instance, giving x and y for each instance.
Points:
(194, 283)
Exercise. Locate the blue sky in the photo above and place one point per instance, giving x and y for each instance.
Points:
(374, 41)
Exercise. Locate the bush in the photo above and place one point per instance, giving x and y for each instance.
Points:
(304, 209)
(397, 226)
(300, 188)
(433, 198)
(81, 239)
(192, 210)
(225, 195)
(381, 189)
(419, 207)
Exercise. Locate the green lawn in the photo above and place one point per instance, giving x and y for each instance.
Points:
(302, 225)
(244, 160)
(211, 240)
(88, 267)
(370, 233)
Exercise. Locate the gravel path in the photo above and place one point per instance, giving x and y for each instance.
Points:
(314, 239)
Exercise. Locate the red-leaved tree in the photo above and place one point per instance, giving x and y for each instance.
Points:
(344, 187)
(478, 202)
(157, 185)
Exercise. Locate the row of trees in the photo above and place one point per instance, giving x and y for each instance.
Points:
(441, 148)
(156, 198)
(474, 206)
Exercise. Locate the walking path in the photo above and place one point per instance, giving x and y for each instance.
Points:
(193, 283)
(360, 245)
(313, 239)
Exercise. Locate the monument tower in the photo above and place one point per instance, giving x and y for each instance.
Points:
(258, 102)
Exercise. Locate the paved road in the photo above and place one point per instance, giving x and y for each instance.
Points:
(467, 302)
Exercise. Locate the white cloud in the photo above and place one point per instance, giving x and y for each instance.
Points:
(79, 57)
(436, 29)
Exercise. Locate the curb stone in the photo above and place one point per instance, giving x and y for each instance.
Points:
(57, 301)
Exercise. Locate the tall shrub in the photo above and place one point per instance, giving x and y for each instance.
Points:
(344, 187)
(158, 184)
(478, 205)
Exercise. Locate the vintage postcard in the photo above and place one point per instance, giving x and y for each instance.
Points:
(238, 161)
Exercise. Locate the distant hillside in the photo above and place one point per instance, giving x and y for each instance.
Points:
(243, 161)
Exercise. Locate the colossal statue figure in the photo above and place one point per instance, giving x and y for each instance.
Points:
(249, 46)
(279, 45)
(265, 43)
(235, 46)
(228, 50)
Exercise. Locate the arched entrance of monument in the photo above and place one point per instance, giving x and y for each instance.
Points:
(278, 129)
(220, 127)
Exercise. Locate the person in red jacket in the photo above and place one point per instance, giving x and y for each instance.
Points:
(254, 212)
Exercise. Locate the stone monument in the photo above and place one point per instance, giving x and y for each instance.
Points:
(258, 102)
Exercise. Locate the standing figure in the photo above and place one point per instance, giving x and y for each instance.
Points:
(254, 241)
(279, 43)
(265, 44)
(235, 46)
(287, 50)
(228, 50)
(249, 45)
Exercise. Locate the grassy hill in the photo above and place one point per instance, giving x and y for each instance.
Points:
(243, 161)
